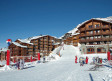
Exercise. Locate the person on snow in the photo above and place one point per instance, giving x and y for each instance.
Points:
(81, 60)
(94, 60)
(75, 59)
(100, 60)
(43, 59)
(87, 60)
(18, 64)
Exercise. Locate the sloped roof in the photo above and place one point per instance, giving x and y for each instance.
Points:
(108, 19)
(17, 44)
(25, 41)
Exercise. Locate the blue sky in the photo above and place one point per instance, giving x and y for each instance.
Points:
(27, 18)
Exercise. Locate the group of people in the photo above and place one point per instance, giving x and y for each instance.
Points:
(20, 64)
(82, 60)
(97, 60)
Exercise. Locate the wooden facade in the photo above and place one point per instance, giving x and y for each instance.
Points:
(72, 40)
(42, 44)
(96, 32)
(3, 53)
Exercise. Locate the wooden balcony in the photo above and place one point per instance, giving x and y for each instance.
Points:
(89, 34)
(99, 33)
(105, 39)
(30, 49)
(106, 33)
(41, 45)
(50, 46)
(35, 43)
(89, 40)
(88, 29)
(82, 35)
(82, 40)
(41, 40)
(106, 27)
(97, 39)
(30, 46)
(97, 28)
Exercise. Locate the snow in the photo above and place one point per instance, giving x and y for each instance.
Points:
(25, 41)
(17, 44)
(108, 19)
(62, 69)
(3, 49)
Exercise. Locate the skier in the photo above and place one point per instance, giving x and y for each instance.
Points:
(43, 59)
(18, 64)
(81, 60)
(93, 60)
(87, 60)
(75, 59)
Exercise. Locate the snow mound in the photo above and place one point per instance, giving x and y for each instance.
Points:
(6, 67)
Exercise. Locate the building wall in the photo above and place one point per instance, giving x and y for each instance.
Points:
(95, 32)
(43, 45)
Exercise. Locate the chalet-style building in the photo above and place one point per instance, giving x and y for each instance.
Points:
(96, 35)
(31, 46)
(71, 37)
(72, 40)
(3, 52)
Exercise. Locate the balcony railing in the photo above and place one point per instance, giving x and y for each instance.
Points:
(89, 40)
(99, 33)
(106, 27)
(82, 35)
(89, 28)
(106, 33)
(96, 28)
(89, 34)
(97, 39)
(105, 38)
(82, 40)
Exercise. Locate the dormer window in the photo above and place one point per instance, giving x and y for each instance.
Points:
(90, 26)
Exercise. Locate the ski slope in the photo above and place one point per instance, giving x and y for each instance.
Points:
(63, 69)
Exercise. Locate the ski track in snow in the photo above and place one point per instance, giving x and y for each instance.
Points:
(63, 69)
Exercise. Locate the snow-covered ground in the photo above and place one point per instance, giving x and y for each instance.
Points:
(62, 69)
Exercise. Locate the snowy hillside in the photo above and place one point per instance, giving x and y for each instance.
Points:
(63, 69)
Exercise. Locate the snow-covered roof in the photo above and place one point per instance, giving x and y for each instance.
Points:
(25, 41)
(28, 40)
(108, 19)
(56, 43)
(17, 44)
(76, 34)
(36, 37)
(3, 49)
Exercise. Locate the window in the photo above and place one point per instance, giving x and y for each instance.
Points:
(98, 50)
(90, 26)
(97, 25)
(90, 49)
